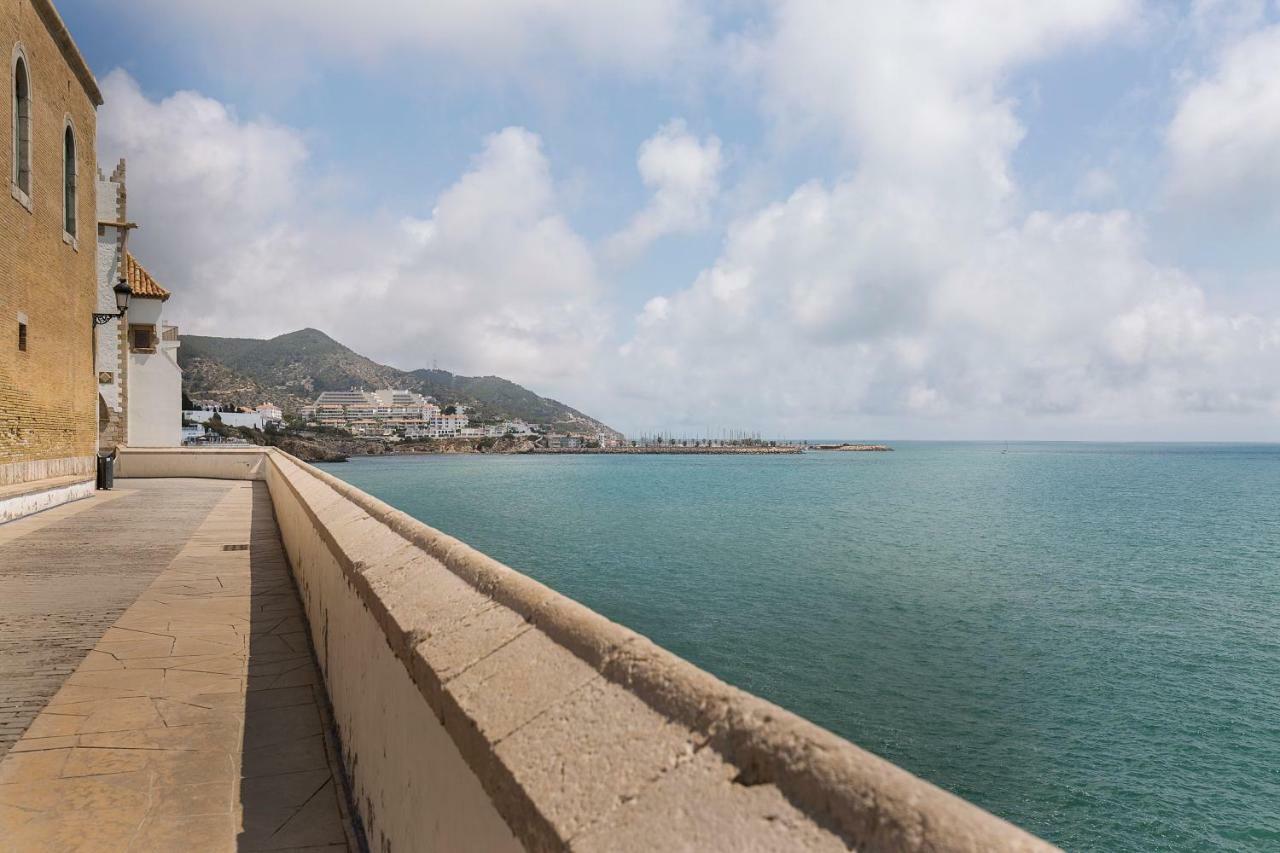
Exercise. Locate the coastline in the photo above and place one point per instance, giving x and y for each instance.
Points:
(663, 451)
(319, 447)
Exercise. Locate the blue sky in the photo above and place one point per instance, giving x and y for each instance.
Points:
(931, 220)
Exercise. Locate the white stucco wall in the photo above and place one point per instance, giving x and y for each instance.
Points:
(155, 400)
(155, 384)
(145, 312)
(107, 360)
(107, 355)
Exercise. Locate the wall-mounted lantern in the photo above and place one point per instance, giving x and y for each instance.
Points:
(123, 291)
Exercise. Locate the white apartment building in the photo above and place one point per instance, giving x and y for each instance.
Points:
(385, 411)
(516, 427)
(270, 413)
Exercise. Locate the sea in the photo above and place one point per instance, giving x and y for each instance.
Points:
(1081, 638)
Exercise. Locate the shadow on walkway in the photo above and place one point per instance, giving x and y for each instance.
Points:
(289, 791)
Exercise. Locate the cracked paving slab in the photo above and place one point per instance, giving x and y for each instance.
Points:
(194, 720)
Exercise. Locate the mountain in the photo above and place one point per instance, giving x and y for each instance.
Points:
(290, 370)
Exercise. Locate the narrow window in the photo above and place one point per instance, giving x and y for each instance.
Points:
(21, 127)
(22, 336)
(69, 181)
(143, 338)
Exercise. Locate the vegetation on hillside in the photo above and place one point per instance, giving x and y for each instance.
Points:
(291, 369)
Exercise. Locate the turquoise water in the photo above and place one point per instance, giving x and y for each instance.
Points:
(1084, 639)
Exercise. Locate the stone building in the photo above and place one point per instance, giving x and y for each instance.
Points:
(48, 413)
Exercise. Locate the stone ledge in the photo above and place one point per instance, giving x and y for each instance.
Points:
(22, 499)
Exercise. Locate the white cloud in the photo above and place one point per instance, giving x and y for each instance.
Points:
(493, 281)
(1096, 185)
(913, 87)
(1224, 139)
(684, 176)
(913, 290)
(1054, 317)
(637, 37)
(1212, 20)
(207, 188)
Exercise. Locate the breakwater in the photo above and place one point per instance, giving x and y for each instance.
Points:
(669, 450)
(873, 448)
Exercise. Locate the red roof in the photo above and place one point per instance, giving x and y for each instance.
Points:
(140, 280)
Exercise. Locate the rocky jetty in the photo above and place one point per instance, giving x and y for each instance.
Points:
(672, 450)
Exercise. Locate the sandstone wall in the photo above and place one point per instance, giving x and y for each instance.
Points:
(48, 394)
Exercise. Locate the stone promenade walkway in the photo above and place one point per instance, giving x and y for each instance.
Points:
(156, 632)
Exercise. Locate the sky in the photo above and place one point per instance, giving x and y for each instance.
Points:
(925, 219)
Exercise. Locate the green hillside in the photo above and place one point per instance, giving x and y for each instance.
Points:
(291, 369)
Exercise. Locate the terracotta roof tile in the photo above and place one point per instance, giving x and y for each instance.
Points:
(141, 281)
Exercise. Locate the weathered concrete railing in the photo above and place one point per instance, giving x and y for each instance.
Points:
(480, 710)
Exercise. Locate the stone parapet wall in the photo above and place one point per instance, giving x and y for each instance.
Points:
(479, 709)
(206, 463)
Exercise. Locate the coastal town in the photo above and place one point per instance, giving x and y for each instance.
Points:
(386, 415)
(386, 420)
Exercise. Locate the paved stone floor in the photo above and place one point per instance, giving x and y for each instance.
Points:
(191, 715)
(65, 577)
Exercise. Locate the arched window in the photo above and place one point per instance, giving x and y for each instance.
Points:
(69, 181)
(21, 127)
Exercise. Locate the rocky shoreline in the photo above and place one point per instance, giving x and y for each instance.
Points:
(329, 448)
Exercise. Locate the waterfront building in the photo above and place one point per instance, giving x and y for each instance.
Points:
(515, 427)
(48, 409)
(385, 412)
(441, 425)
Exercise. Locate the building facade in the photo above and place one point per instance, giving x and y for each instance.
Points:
(270, 413)
(48, 409)
(110, 349)
(383, 412)
(154, 380)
